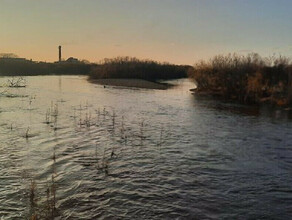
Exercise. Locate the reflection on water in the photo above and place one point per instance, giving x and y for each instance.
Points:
(95, 152)
(268, 111)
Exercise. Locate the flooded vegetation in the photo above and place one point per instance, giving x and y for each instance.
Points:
(247, 79)
(71, 149)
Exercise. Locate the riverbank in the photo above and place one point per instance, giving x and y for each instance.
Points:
(115, 68)
(24, 67)
(134, 83)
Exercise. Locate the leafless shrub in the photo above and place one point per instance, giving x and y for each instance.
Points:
(249, 78)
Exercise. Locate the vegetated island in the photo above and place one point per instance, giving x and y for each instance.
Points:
(133, 72)
(120, 71)
(248, 79)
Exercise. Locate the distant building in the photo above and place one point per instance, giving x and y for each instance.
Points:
(69, 60)
(72, 60)
(60, 53)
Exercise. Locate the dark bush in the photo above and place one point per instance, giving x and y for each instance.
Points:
(127, 67)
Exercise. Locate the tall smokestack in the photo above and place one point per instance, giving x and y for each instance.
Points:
(60, 53)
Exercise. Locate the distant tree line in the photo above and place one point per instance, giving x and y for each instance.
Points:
(248, 79)
(129, 67)
(19, 66)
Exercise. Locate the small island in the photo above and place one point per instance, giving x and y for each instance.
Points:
(133, 72)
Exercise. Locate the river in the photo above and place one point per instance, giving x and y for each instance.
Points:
(118, 153)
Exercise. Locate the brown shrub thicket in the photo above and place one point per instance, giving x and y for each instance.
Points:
(248, 79)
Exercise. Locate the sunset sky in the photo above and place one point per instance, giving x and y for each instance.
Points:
(178, 31)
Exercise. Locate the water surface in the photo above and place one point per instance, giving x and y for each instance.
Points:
(118, 153)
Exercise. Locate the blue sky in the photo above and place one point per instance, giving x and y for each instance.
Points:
(178, 31)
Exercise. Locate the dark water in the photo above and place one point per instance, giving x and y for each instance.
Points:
(141, 154)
